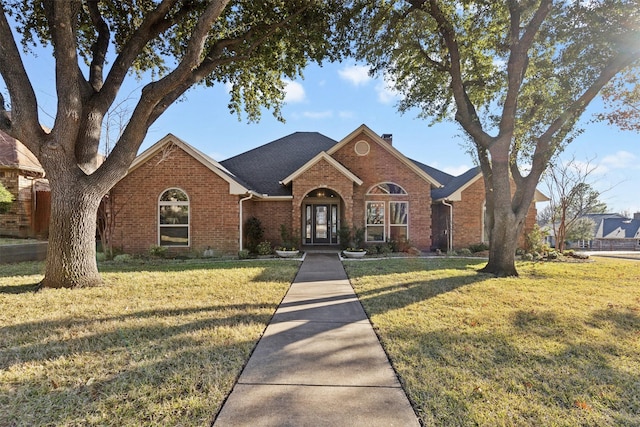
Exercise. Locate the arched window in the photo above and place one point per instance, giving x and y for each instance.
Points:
(173, 218)
(387, 188)
(386, 220)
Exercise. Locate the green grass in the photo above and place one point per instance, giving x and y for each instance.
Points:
(558, 346)
(159, 344)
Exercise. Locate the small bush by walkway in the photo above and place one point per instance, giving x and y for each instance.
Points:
(560, 345)
(159, 344)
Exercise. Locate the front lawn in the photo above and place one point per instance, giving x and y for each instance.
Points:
(558, 346)
(160, 344)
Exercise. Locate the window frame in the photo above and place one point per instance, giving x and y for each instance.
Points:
(162, 203)
(375, 186)
(406, 224)
(368, 225)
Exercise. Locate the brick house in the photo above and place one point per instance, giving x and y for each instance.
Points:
(174, 195)
(23, 176)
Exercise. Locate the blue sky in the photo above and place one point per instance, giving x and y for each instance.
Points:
(337, 98)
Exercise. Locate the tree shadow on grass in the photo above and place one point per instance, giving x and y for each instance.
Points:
(20, 289)
(126, 367)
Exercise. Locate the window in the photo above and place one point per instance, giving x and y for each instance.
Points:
(387, 188)
(375, 222)
(398, 220)
(173, 212)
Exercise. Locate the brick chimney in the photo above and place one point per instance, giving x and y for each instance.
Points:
(388, 137)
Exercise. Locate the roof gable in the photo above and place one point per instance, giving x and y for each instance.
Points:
(390, 148)
(235, 185)
(322, 156)
(619, 228)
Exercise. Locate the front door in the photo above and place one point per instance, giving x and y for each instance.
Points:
(321, 224)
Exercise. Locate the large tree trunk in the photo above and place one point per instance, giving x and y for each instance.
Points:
(503, 245)
(506, 224)
(71, 256)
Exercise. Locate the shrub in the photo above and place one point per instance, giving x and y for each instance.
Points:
(465, 252)
(535, 240)
(100, 256)
(123, 258)
(264, 248)
(243, 254)
(527, 257)
(344, 234)
(358, 237)
(254, 232)
(158, 251)
(478, 247)
(287, 239)
(384, 249)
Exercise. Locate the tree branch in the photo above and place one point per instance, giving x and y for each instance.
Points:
(518, 59)
(466, 113)
(100, 46)
(23, 123)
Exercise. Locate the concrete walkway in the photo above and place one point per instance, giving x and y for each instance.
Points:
(319, 362)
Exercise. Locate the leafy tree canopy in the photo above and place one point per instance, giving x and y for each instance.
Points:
(516, 75)
(171, 45)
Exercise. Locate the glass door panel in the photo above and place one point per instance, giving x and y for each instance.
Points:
(321, 229)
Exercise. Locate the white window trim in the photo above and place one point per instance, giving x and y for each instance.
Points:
(389, 194)
(384, 221)
(165, 203)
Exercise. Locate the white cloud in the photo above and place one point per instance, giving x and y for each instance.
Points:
(620, 160)
(355, 74)
(294, 92)
(317, 114)
(346, 114)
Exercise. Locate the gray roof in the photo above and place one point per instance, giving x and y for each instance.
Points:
(264, 167)
(454, 184)
(620, 228)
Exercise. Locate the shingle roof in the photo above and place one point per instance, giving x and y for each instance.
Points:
(264, 167)
(442, 177)
(620, 228)
(15, 155)
(454, 184)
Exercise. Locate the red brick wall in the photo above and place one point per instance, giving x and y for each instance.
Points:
(467, 219)
(381, 166)
(18, 221)
(214, 213)
(271, 215)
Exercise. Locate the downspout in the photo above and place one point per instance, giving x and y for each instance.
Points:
(241, 223)
(450, 230)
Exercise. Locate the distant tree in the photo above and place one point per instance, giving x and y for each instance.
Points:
(170, 44)
(516, 76)
(570, 198)
(582, 229)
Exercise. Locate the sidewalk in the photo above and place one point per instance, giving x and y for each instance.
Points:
(319, 362)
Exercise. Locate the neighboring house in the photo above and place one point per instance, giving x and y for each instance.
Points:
(618, 234)
(174, 195)
(22, 175)
(611, 231)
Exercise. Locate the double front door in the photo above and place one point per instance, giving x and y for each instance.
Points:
(321, 224)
